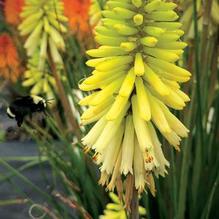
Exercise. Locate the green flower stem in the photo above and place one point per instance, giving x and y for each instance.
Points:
(185, 160)
(206, 20)
(200, 112)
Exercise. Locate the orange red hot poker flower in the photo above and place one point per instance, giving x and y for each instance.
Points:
(12, 9)
(9, 62)
(77, 13)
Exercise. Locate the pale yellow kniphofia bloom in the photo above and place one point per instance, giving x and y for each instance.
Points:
(40, 82)
(43, 23)
(116, 209)
(134, 82)
(95, 13)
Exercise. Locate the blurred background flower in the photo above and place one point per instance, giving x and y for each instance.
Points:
(41, 82)
(9, 59)
(12, 9)
(116, 209)
(77, 13)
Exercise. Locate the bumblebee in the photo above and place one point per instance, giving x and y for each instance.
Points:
(25, 106)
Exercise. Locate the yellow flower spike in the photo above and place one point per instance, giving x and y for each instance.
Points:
(142, 98)
(168, 37)
(140, 127)
(28, 82)
(109, 23)
(137, 3)
(115, 174)
(114, 63)
(109, 40)
(172, 99)
(139, 65)
(138, 19)
(54, 52)
(43, 47)
(88, 87)
(158, 116)
(128, 46)
(106, 135)
(95, 13)
(103, 78)
(142, 211)
(37, 87)
(151, 184)
(184, 96)
(41, 81)
(93, 110)
(169, 67)
(34, 35)
(116, 209)
(105, 51)
(149, 157)
(177, 52)
(104, 178)
(30, 19)
(95, 117)
(171, 45)
(163, 163)
(94, 133)
(106, 31)
(114, 198)
(175, 123)
(173, 139)
(154, 31)
(139, 168)
(162, 54)
(135, 67)
(153, 79)
(168, 25)
(113, 4)
(46, 24)
(128, 146)
(125, 13)
(152, 6)
(172, 84)
(125, 30)
(169, 76)
(110, 129)
(43, 23)
(165, 6)
(117, 107)
(107, 91)
(112, 152)
(149, 41)
(163, 16)
(128, 84)
(95, 62)
(178, 32)
(87, 100)
(110, 14)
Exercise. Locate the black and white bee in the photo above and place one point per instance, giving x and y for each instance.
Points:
(26, 106)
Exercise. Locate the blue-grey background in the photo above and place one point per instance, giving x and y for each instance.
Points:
(19, 148)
